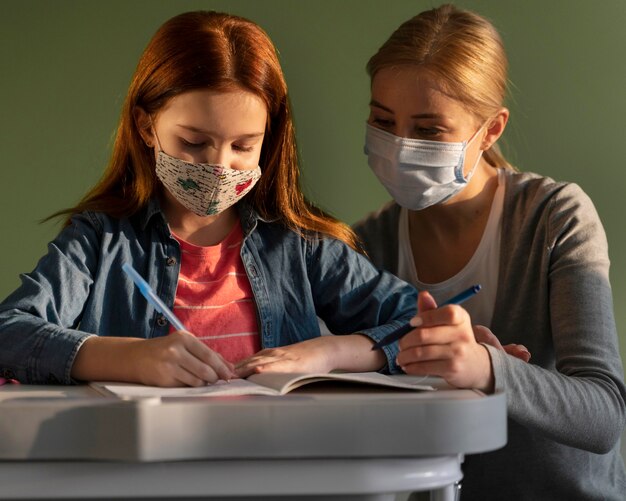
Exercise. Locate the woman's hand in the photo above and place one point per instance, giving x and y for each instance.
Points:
(484, 335)
(178, 359)
(443, 344)
(351, 353)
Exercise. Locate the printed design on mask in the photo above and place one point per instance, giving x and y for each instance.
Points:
(212, 209)
(242, 186)
(188, 184)
(204, 189)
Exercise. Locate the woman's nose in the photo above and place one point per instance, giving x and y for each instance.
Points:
(403, 130)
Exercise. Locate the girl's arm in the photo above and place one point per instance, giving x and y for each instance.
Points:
(178, 359)
(350, 353)
(42, 322)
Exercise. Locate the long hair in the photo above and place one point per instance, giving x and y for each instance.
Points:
(221, 52)
(461, 49)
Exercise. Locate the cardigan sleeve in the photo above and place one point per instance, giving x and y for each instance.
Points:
(576, 394)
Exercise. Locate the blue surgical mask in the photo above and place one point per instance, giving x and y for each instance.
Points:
(417, 173)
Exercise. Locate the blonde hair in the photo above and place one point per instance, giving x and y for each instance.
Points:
(460, 48)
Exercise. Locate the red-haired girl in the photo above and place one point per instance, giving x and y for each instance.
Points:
(202, 198)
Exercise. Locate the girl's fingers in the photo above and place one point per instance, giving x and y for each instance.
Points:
(198, 369)
(188, 378)
(244, 372)
(256, 360)
(277, 366)
(208, 364)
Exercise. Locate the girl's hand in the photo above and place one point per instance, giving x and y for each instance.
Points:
(351, 353)
(178, 359)
(443, 344)
(312, 355)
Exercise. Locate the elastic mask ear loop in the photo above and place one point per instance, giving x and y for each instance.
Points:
(155, 135)
(471, 172)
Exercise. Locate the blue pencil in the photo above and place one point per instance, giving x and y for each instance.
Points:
(401, 331)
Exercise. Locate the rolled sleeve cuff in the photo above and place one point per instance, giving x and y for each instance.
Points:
(377, 334)
(53, 357)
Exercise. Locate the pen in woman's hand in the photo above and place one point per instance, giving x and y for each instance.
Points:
(401, 331)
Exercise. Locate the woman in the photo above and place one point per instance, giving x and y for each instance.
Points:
(202, 198)
(462, 215)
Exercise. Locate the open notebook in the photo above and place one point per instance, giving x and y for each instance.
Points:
(274, 383)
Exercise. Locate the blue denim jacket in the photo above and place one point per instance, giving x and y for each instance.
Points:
(78, 289)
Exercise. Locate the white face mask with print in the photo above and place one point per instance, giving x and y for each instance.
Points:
(204, 189)
(417, 173)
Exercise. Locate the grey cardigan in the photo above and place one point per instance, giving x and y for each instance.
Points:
(567, 406)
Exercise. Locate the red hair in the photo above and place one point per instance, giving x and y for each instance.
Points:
(222, 52)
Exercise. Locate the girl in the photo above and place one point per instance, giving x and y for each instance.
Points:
(202, 197)
(462, 215)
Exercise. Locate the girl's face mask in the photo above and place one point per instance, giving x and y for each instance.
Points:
(204, 189)
(417, 173)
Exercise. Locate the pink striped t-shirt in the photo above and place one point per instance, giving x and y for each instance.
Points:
(214, 299)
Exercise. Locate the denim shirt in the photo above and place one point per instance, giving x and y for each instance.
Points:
(78, 289)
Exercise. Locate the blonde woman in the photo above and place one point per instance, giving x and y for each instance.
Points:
(462, 215)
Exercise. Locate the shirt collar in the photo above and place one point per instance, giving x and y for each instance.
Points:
(149, 211)
(248, 216)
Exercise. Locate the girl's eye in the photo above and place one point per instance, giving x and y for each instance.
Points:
(242, 149)
(190, 144)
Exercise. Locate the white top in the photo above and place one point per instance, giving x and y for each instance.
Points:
(481, 269)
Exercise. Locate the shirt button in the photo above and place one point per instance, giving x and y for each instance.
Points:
(161, 321)
(171, 261)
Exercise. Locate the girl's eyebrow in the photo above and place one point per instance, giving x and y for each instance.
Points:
(418, 115)
(204, 131)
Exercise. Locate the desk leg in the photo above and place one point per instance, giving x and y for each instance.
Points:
(448, 493)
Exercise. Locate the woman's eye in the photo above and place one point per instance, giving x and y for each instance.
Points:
(428, 131)
(382, 122)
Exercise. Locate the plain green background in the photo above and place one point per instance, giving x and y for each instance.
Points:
(65, 67)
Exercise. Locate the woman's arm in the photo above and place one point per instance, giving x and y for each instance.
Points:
(574, 392)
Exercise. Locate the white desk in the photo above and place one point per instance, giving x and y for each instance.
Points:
(70, 443)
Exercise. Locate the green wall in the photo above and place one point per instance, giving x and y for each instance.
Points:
(65, 66)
